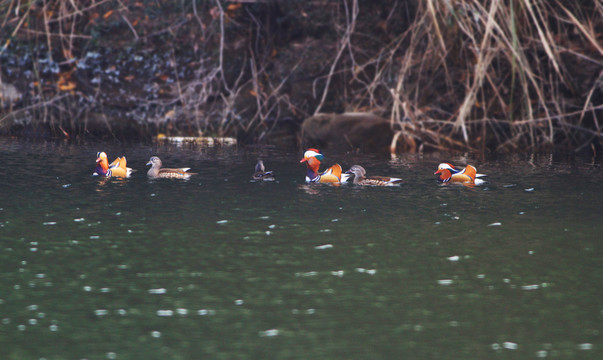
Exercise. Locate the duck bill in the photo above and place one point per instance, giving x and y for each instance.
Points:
(303, 160)
(149, 163)
(438, 172)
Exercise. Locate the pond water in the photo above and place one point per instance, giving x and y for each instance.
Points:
(219, 267)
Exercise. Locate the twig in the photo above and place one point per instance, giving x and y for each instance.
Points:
(344, 44)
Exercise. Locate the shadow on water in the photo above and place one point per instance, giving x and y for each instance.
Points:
(220, 266)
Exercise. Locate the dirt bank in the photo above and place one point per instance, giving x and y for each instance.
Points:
(474, 75)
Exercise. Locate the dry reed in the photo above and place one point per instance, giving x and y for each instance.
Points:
(452, 74)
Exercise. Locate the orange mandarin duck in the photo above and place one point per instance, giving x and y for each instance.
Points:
(449, 173)
(116, 169)
(312, 158)
(261, 174)
(360, 178)
(156, 170)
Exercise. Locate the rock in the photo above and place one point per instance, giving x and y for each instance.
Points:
(366, 132)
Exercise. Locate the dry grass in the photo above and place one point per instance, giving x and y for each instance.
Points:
(514, 73)
(459, 74)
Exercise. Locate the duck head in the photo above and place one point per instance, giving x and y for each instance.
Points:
(358, 172)
(259, 167)
(312, 154)
(445, 170)
(155, 162)
(102, 164)
(102, 160)
(312, 158)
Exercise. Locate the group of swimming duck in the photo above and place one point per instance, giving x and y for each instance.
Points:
(118, 168)
(312, 157)
(334, 174)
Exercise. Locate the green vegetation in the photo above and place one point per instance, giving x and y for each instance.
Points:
(452, 74)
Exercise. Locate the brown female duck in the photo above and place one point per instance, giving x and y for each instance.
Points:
(156, 171)
(360, 178)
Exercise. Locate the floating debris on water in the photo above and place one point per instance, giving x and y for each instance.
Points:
(199, 140)
(529, 189)
(495, 224)
(157, 291)
(453, 258)
(445, 282)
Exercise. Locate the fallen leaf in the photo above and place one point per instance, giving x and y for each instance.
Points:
(66, 85)
(170, 114)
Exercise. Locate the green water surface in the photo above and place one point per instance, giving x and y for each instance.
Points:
(219, 267)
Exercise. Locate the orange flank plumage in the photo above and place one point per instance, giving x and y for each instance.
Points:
(449, 173)
(332, 174)
(117, 168)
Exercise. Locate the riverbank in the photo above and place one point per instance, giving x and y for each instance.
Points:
(470, 76)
